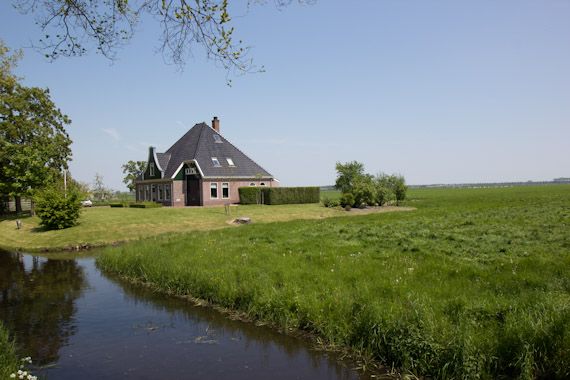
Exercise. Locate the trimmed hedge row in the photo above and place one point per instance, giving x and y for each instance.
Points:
(279, 195)
(145, 205)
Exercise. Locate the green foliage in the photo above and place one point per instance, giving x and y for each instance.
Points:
(291, 195)
(119, 204)
(249, 195)
(471, 285)
(279, 195)
(34, 146)
(347, 199)
(8, 358)
(133, 169)
(147, 204)
(56, 209)
(394, 186)
(364, 193)
(348, 175)
(328, 202)
(383, 195)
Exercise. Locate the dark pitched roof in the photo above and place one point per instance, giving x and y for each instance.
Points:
(199, 144)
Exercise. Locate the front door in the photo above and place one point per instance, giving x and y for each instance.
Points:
(193, 195)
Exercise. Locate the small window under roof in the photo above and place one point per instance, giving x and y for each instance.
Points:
(217, 138)
(215, 161)
(230, 161)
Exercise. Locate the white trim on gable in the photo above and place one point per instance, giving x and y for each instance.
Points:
(187, 162)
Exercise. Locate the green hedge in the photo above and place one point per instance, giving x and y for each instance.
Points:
(118, 205)
(279, 195)
(145, 205)
(248, 195)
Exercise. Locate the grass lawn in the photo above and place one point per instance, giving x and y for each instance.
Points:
(473, 284)
(103, 226)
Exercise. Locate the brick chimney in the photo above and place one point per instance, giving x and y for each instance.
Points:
(216, 124)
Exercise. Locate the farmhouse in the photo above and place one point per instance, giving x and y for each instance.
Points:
(201, 169)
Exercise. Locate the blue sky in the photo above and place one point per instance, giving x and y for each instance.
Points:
(439, 91)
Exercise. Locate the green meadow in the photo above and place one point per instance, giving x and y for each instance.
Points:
(474, 284)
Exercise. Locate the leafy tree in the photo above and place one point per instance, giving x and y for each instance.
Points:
(34, 146)
(348, 175)
(399, 187)
(133, 169)
(390, 187)
(78, 25)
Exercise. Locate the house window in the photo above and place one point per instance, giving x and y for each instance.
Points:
(214, 191)
(141, 193)
(153, 192)
(147, 193)
(262, 184)
(152, 169)
(160, 192)
(215, 161)
(252, 184)
(230, 161)
(167, 192)
(217, 139)
(225, 190)
(190, 171)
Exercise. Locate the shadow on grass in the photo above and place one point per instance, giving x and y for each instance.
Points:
(12, 215)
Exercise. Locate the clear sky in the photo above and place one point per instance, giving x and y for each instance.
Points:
(439, 91)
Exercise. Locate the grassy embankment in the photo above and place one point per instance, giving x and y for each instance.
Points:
(474, 284)
(104, 226)
(9, 362)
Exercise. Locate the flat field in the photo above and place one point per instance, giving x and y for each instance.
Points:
(473, 284)
(100, 226)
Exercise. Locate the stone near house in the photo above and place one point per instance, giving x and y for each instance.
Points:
(201, 169)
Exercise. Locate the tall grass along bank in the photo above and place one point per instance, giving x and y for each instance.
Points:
(9, 362)
(474, 284)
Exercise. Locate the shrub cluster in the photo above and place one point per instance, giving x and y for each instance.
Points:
(56, 209)
(359, 188)
(279, 195)
(328, 202)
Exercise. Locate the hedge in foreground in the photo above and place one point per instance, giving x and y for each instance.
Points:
(470, 286)
(279, 195)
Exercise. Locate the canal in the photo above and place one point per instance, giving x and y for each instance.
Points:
(77, 322)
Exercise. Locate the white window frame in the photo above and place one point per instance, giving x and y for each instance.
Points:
(152, 169)
(225, 185)
(262, 184)
(252, 184)
(166, 191)
(160, 190)
(190, 171)
(147, 193)
(217, 139)
(216, 162)
(214, 186)
(153, 192)
(230, 161)
(141, 193)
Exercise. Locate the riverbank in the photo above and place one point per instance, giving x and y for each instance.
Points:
(471, 285)
(9, 362)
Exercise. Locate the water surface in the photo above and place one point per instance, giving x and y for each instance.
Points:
(70, 317)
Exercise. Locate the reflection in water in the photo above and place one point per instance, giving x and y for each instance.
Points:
(37, 301)
(99, 327)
